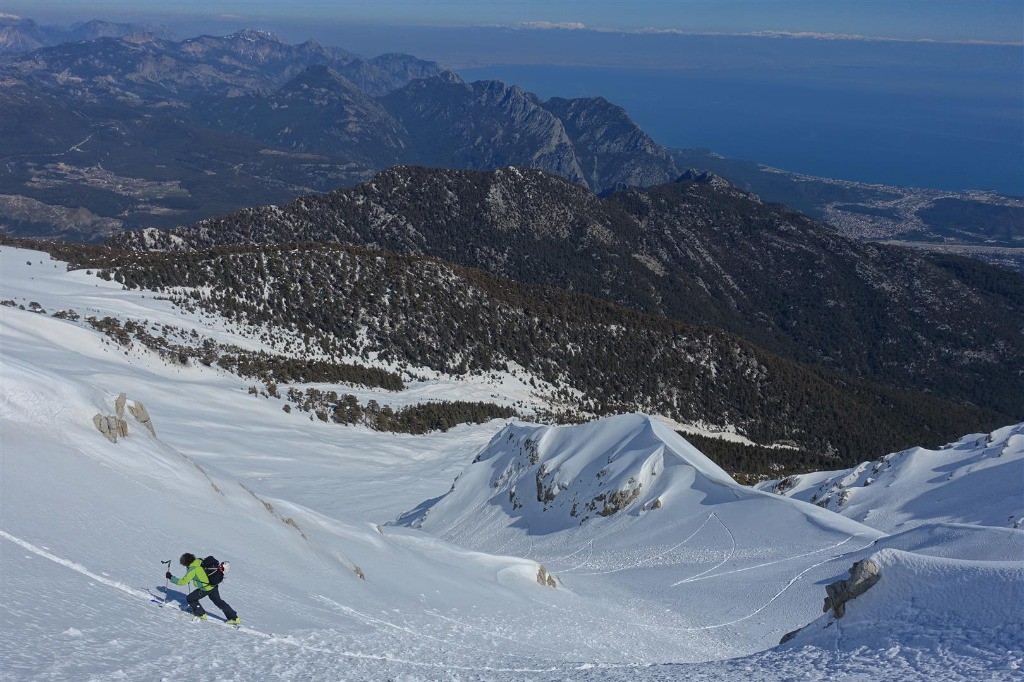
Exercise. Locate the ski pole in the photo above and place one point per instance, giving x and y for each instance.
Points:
(167, 581)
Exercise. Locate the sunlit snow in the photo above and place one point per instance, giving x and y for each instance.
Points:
(676, 572)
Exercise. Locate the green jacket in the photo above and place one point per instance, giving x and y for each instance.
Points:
(195, 574)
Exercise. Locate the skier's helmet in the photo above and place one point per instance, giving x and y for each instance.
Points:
(187, 558)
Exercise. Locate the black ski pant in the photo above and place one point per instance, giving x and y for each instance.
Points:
(214, 595)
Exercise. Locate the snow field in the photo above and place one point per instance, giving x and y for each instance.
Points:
(695, 577)
(977, 480)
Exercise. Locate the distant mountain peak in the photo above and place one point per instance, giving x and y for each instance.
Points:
(450, 77)
(704, 178)
(254, 35)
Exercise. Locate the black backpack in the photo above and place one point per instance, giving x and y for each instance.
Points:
(214, 570)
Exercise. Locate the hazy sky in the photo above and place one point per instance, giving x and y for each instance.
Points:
(991, 20)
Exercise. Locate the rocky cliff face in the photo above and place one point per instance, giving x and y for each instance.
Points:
(611, 149)
(481, 125)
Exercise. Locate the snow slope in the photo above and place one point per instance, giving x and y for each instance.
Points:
(694, 568)
(961, 603)
(685, 538)
(105, 514)
(977, 480)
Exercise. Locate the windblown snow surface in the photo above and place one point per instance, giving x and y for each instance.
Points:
(664, 568)
(977, 480)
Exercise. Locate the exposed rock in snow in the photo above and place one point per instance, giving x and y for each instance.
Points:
(113, 426)
(962, 603)
(138, 411)
(110, 426)
(546, 579)
(863, 576)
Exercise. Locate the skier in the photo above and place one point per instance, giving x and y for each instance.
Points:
(197, 574)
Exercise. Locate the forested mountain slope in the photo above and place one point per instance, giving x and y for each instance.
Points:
(696, 250)
(595, 357)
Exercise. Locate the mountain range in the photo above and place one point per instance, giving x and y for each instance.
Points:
(19, 34)
(156, 132)
(134, 130)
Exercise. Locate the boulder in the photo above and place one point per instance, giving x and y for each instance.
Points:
(107, 425)
(119, 405)
(544, 578)
(138, 411)
(863, 575)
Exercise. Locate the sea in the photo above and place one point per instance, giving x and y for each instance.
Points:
(912, 128)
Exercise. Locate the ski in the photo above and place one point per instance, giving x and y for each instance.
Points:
(162, 603)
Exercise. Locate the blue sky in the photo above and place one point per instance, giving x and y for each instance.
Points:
(952, 20)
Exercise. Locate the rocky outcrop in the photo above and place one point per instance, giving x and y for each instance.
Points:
(110, 426)
(863, 576)
(618, 500)
(546, 579)
(138, 411)
(114, 426)
(700, 177)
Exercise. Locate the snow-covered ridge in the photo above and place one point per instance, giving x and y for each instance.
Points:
(562, 477)
(978, 479)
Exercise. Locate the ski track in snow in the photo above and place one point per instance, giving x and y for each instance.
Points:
(653, 556)
(117, 585)
(792, 581)
(571, 554)
(761, 608)
(290, 641)
(381, 623)
(728, 555)
(767, 563)
(585, 562)
(492, 633)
